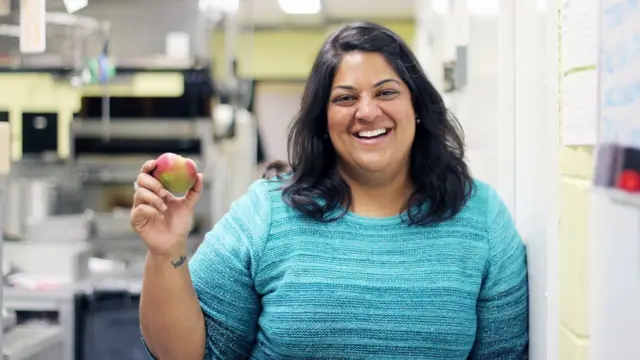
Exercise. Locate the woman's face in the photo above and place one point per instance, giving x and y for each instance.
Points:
(371, 120)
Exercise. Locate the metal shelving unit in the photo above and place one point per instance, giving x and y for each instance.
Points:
(4, 171)
(2, 206)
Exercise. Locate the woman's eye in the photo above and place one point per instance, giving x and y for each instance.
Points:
(344, 98)
(388, 93)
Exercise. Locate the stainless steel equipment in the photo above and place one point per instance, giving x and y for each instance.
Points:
(108, 154)
(5, 163)
(28, 200)
(9, 319)
(109, 168)
(70, 328)
(35, 192)
(35, 341)
(53, 341)
(239, 146)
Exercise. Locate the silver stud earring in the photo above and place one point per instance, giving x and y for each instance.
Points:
(418, 121)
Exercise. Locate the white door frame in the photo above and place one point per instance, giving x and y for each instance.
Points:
(552, 155)
(537, 146)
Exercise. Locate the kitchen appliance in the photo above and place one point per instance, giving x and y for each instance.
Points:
(45, 325)
(112, 136)
(33, 341)
(39, 134)
(27, 200)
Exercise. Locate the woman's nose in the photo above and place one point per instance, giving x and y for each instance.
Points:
(368, 109)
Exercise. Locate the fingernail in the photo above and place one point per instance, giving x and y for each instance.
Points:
(164, 207)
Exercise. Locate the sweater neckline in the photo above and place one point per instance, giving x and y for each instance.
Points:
(356, 219)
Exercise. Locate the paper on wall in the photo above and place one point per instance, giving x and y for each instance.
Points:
(580, 108)
(620, 73)
(33, 26)
(579, 34)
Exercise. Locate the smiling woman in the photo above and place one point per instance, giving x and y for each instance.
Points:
(374, 243)
(366, 79)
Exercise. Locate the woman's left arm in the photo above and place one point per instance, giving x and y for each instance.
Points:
(503, 306)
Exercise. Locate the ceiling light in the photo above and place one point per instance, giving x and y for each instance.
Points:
(75, 5)
(228, 6)
(300, 7)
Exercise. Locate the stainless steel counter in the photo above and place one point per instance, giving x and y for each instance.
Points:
(59, 300)
(34, 342)
(62, 299)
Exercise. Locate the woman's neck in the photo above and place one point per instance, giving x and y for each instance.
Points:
(380, 194)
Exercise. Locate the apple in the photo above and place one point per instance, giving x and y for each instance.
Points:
(176, 173)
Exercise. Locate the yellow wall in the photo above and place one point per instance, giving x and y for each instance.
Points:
(576, 168)
(267, 55)
(285, 54)
(40, 92)
(33, 92)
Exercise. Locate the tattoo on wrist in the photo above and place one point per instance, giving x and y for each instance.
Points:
(176, 264)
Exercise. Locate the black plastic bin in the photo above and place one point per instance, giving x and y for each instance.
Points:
(108, 327)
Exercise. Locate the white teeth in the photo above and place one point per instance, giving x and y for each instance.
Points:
(371, 133)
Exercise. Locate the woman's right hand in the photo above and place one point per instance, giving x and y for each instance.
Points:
(162, 220)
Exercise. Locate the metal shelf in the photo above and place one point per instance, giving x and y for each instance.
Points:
(621, 197)
(33, 341)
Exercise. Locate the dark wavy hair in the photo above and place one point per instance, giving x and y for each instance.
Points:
(438, 171)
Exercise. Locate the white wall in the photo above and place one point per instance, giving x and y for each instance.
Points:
(536, 162)
(550, 156)
(614, 281)
(276, 104)
(476, 105)
(509, 113)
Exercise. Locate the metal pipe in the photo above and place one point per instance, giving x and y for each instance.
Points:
(9, 30)
(230, 35)
(106, 113)
(106, 96)
(3, 190)
(5, 169)
(66, 19)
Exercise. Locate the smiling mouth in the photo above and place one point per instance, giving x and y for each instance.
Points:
(372, 134)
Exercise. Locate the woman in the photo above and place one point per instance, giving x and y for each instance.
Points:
(377, 243)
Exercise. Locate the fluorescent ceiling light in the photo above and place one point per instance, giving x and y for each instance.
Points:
(228, 5)
(300, 7)
(75, 5)
(211, 6)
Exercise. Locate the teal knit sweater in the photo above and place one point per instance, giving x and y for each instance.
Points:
(276, 285)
